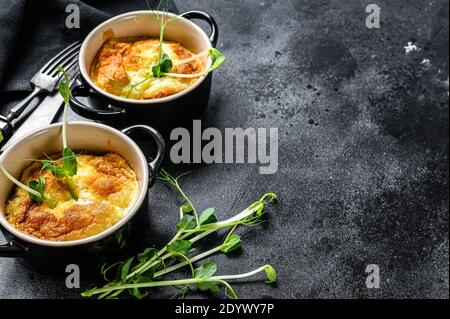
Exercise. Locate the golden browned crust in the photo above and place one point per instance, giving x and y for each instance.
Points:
(78, 221)
(106, 186)
(122, 62)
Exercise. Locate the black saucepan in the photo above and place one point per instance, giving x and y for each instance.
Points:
(92, 102)
(86, 137)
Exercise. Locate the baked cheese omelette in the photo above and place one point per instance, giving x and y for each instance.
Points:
(106, 188)
(123, 67)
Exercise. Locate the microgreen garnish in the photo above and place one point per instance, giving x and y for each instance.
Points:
(163, 66)
(1, 136)
(150, 268)
(68, 166)
(186, 223)
(207, 217)
(182, 247)
(217, 60)
(202, 279)
(206, 271)
(217, 57)
(39, 186)
(67, 169)
(28, 189)
(64, 86)
(231, 244)
(64, 91)
(270, 274)
(147, 254)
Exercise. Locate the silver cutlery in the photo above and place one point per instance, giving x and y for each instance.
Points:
(47, 112)
(45, 81)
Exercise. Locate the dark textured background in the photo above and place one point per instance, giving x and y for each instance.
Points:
(363, 175)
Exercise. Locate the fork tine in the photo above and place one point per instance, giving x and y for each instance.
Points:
(72, 64)
(57, 63)
(59, 57)
(64, 63)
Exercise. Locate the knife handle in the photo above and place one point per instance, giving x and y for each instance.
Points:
(6, 130)
(19, 108)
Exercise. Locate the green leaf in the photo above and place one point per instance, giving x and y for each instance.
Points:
(206, 270)
(139, 279)
(158, 265)
(89, 293)
(64, 90)
(146, 254)
(215, 54)
(207, 217)
(186, 209)
(156, 70)
(207, 286)
(269, 198)
(145, 277)
(270, 274)
(136, 293)
(68, 167)
(166, 64)
(231, 244)
(1, 136)
(69, 164)
(163, 66)
(186, 223)
(49, 166)
(125, 269)
(181, 247)
(38, 186)
(217, 57)
(64, 86)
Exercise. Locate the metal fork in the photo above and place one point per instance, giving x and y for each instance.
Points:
(47, 78)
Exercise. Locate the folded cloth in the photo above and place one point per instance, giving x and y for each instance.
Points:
(33, 31)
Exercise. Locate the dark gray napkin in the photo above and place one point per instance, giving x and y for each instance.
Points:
(33, 31)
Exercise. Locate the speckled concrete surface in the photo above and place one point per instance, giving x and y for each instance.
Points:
(363, 175)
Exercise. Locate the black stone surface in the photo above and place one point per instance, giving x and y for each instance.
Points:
(363, 175)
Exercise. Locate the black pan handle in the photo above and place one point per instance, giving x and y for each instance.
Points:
(13, 249)
(82, 89)
(6, 130)
(156, 162)
(200, 15)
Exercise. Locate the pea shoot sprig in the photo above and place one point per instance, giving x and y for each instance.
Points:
(217, 60)
(164, 63)
(137, 275)
(64, 168)
(35, 189)
(67, 168)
